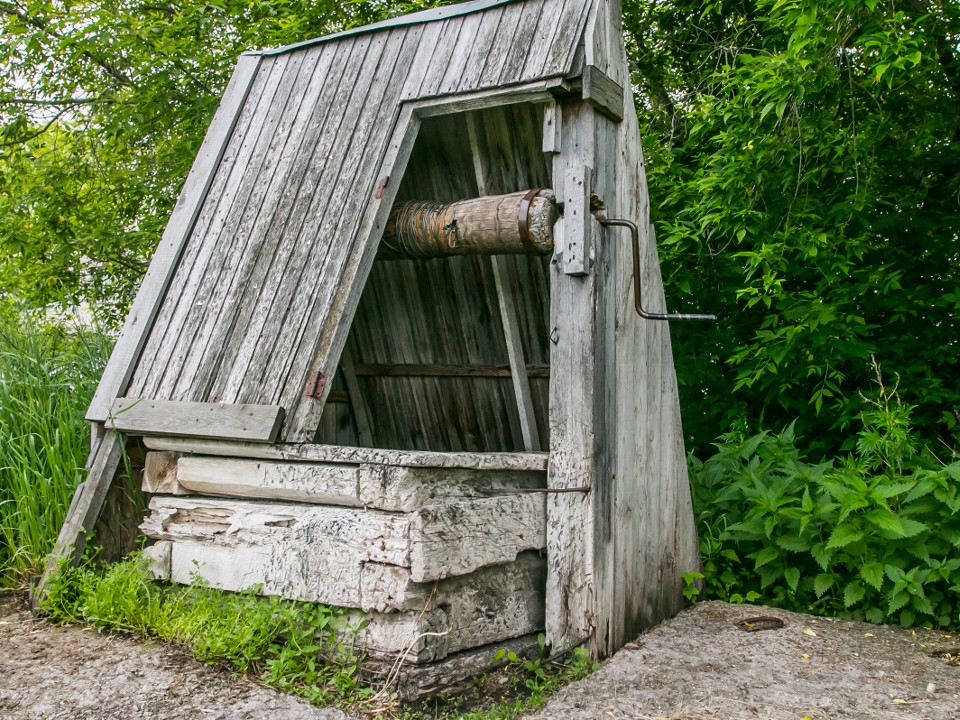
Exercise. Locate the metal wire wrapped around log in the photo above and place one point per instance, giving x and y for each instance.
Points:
(517, 223)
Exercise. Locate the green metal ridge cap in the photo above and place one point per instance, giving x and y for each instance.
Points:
(424, 16)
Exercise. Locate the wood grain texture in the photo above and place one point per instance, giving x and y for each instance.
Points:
(603, 93)
(271, 271)
(453, 675)
(317, 552)
(375, 486)
(216, 421)
(139, 321)
(521, 461)
(574, 435)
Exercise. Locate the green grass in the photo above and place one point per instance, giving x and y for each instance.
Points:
(47, 375)
(299, 648)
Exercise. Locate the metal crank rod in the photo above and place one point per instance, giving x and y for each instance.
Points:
(637, 298)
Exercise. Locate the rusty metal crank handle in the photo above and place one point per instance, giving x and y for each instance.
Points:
(637, 298)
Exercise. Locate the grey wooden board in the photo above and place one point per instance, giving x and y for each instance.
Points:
(139, 321)
(376, 486)
(216, 421)
(339, 454)
(603, 92)
(616, 558)
(295, 199)
(574, 435)
(317, 552)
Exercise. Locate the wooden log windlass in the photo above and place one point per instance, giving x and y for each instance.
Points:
(514, 224)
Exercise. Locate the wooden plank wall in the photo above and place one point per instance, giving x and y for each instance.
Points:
(615, 560)
(444, 311)
(259, 290)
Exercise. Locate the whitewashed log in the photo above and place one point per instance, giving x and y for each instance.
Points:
(388, 588)
(317, 553)
(160, 474)
(457, 538)
(491, 604)
(298, 482)
(404, 489)
(341, 454)
(157, 557)
(381, 487)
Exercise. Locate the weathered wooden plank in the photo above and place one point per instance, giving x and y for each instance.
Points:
(576, 251)
(456, 538)
(162, 355)
(434, 370)
(334, 484)
(317, 552)
(315, 322)
(84, 509)
(452, 676)
(551, 128)
(569, 36)
(261, 302)
(222, 421)
(531, 22)
(160, 474)
(489, 605)
(247, 241)
(339, 454)
(381, 487)
(485, 71)
(574, 436)
(602, 92)
(471, 29)
(139, 321)
(361, 412)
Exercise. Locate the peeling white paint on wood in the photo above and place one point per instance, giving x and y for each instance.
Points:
(318, 552)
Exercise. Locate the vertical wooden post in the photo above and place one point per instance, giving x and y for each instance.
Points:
(573, 400)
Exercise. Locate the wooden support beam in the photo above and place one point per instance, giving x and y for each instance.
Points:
(317, 552)
(353, 455)
(602, 92)
(574, 434)
(361, 413)
(458, 371)
(223, 421)
(506, 297)
(84, 509)
(381, 487)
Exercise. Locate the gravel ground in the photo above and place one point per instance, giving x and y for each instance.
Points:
(698, 666)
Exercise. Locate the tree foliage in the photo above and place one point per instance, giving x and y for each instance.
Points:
(804, 164)
(102, 108)
(805, 175)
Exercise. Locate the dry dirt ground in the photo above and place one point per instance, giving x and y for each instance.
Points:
(698, 666)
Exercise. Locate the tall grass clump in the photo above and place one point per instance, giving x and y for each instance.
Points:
(47, 376)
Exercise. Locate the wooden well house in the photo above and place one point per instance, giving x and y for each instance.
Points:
(388, 355)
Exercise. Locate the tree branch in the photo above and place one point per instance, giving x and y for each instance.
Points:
(12, 10)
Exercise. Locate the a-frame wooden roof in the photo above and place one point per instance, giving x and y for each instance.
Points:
(248, 298)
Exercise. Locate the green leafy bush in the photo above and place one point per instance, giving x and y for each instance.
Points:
(874, 535)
